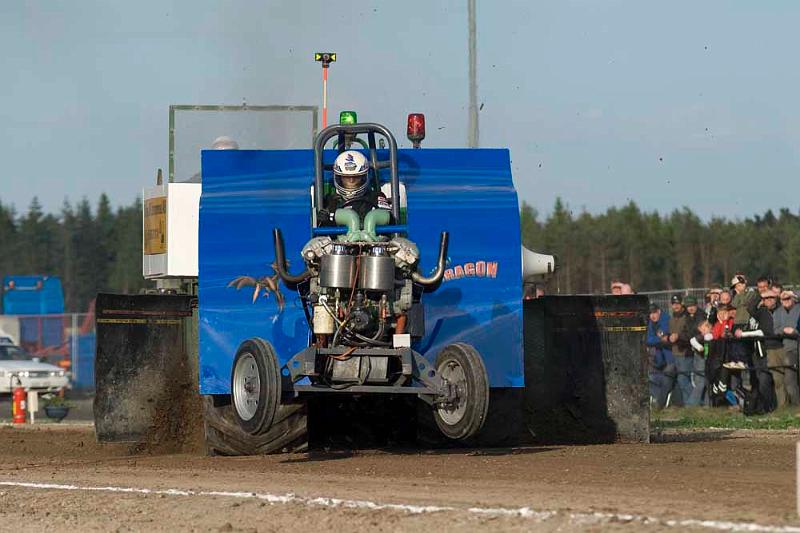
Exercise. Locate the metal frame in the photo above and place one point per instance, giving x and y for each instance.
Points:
(370, 129)
(225, 108)
(429, 385)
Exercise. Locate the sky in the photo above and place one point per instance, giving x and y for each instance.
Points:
(669, 104)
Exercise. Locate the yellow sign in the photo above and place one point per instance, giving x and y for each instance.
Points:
(155, 226)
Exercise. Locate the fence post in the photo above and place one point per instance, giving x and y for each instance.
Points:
(73, 356)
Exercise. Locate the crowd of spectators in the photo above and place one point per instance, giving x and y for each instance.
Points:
(739, 347)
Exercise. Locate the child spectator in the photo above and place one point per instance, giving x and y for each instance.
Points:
(724, 324)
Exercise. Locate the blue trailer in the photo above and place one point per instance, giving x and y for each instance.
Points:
(39, 303)
(32, 295)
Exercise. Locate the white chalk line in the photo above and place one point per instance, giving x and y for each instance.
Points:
(519, 512)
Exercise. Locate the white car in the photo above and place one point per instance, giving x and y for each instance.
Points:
(19, 368)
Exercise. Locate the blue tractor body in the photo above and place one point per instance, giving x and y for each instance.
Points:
(466, 192)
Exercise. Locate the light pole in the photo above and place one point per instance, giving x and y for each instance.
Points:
(473, 73)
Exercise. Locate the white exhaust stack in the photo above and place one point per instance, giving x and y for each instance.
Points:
(534, 264)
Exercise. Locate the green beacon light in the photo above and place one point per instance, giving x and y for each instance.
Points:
(348, 117)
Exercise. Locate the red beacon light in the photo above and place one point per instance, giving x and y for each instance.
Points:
(416, 128)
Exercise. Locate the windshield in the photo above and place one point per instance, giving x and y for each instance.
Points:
(13, 353)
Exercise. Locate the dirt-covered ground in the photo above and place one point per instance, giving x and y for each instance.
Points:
(59, 478)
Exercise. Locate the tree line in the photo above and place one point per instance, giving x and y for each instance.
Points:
(654, 251)
(97, 248)
(91, 249)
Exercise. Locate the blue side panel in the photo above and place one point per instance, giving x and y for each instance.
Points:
(247, 193)
(466, 192)
(469, 193)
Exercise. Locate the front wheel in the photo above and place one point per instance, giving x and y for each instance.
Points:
(461, 367)
(255, 385)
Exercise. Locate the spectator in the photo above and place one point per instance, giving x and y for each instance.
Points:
(744, 300)
(701, 338)
(724, 326)
(528, 291)
(712, 301)
(785, 319)
(616, 287)
(767, 353)
(662, 363)
(725, 297)
(745, 303)
(717, 375)
(698, 377)
(692, 312)
(531, 290)
(627, 289)
(763, 283)
(679, 335)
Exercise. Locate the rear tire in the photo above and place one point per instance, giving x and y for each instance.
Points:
(224, 436)
(252, 420)
(462, 365)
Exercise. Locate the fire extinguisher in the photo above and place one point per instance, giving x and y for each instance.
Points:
(19, 405)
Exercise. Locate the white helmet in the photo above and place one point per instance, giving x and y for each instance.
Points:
(224, 143)
(350, 164)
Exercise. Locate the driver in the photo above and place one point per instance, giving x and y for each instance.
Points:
(352, 190)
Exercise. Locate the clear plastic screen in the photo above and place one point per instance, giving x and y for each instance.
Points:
(194, 128)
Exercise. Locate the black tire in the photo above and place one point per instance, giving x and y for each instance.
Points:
(224, 436)
(504, 426)
(463, 424)
(273, 428)
(255, 362)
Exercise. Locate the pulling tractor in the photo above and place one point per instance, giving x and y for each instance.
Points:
(421, 302)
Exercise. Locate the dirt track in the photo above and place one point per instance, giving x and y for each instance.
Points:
(709, 475)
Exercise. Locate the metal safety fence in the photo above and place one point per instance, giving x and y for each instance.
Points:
(662, 298)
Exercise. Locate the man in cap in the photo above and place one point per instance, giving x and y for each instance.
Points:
(662, 363)
(679, 335)
(767, 353)
(692, 311)
(745, 303)
(785, 319)
(694, 317)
